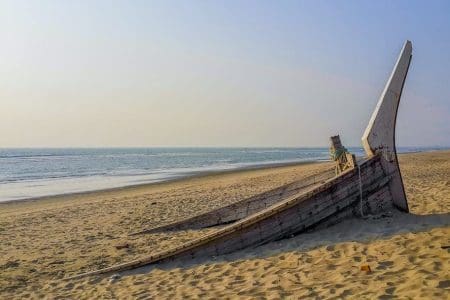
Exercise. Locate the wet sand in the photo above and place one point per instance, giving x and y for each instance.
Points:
(45, 240)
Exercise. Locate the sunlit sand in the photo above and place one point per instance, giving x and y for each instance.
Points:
(44, 241)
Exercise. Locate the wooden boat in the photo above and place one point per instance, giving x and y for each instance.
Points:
(244, 208)
(368, 186)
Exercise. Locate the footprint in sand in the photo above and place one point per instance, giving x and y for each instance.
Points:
(445, 284)
(384, 265)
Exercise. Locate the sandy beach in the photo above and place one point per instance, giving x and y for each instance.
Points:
(46, 240)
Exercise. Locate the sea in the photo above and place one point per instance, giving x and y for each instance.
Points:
(32, 173)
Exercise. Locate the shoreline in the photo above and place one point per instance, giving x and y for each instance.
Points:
(74, 186)
(182, 177)
(175, 179)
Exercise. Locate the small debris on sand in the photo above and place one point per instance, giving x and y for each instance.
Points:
(122, 246)
(114, 277)
(366, 268)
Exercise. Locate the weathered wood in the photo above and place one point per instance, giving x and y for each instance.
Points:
(343, 159)
(293, 215)
(369, 187)
(379, 136)
(246, 207)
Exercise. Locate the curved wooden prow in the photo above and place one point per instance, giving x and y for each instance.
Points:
(379, 137)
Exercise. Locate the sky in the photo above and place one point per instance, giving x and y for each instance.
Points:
(218, 73)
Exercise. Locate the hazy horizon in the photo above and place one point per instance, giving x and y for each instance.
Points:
(220, 147)
(217, 74)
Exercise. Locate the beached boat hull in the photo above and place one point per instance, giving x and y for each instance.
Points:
(244, 208)
(371, 186)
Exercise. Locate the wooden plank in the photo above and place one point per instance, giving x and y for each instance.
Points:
(290, 216)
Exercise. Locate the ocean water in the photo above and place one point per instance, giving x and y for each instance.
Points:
(30, 173)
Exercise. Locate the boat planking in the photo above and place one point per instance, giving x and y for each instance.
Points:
(368, 186)
(241, 209)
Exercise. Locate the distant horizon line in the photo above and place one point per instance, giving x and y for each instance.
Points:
(212, 147)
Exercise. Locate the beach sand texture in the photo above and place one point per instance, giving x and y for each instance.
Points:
(45, 240)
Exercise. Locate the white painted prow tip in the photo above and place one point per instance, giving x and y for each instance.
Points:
(379, 135)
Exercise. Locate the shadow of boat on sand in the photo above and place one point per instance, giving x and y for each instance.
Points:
(373, 228)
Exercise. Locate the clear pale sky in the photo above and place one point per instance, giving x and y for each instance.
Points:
(217, 73)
